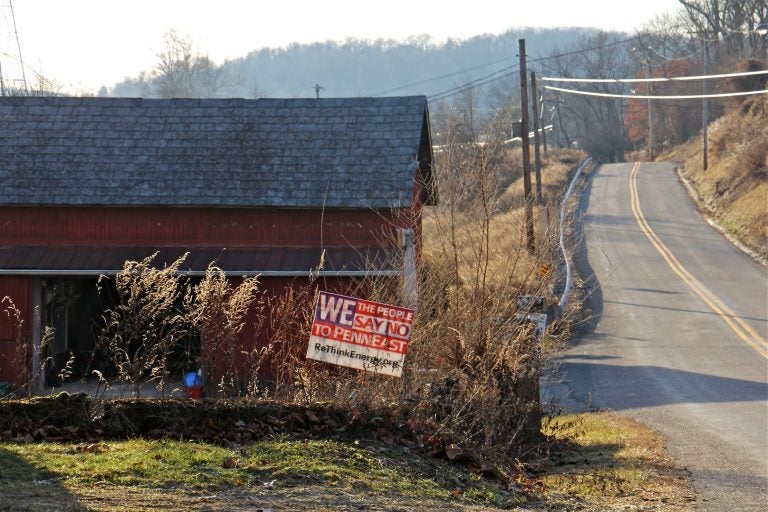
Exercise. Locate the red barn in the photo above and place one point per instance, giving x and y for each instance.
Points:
(260, 186)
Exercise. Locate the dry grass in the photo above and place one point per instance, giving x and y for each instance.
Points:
(614, 463)
(448, 230)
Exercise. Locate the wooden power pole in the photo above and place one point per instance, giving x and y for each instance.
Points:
(705, 108)
(530, 237)
(536, 138)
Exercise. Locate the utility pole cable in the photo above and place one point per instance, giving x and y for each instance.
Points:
(530, 237)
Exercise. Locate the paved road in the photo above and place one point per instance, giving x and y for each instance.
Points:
(679, 333)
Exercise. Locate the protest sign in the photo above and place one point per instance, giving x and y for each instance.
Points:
(361, 334)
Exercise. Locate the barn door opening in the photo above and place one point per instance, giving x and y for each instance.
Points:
(72, 308)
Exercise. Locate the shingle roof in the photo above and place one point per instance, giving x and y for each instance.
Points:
(305, 153)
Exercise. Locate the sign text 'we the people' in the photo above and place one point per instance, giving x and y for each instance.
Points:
(360, 334)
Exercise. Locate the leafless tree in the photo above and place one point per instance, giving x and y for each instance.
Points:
(182, 72)
(597, 123)
(729, 25)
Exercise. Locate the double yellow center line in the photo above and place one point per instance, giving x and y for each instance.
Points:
(739, 326)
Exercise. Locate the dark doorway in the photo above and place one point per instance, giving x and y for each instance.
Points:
(74, 308)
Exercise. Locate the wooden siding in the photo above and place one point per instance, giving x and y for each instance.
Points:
(19, 290)
(190, 227)
(291, 344)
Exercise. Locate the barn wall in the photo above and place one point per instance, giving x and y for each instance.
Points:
(205, 227)
(194, 227)
(291, 343)
(19, 290)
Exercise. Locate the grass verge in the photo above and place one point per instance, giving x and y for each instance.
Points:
(595, 462)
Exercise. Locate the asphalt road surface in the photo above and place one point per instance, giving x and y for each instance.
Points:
(678, 339)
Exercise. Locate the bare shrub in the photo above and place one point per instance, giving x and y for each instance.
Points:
(473, 363)
(474, 358)
(220, 311)
(150, 318)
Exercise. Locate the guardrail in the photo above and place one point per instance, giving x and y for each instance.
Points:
(563, 302)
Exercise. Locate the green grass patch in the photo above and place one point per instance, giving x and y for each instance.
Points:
(599, 456)
(594, 460)
(277, 463)
(136, 462)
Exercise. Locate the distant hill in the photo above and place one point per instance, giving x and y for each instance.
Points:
(417, 65)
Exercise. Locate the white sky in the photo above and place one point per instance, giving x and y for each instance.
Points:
(83, 44)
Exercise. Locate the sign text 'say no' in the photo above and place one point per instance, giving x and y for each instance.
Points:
(360, 334)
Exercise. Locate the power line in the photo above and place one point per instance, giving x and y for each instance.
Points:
(659, 97)
(18, 46)
(475, 83)
(585, 50)
(684, 57)
(541, 60)
(658, 79)
(441, 77)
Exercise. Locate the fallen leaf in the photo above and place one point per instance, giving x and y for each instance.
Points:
(452, 451)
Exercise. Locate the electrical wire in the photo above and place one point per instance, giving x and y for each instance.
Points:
(540, 60)
(684, 57)
(441, 77)
(658, 79)
(659, 97)
(476, 83)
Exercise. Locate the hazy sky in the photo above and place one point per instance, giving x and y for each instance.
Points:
(84, 44)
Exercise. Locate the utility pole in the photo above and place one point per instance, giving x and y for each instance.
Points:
(543, 123)
(536, 136)
(526, 150)
(705, 105)
(650, 109)
(566, 141)
(318, 88)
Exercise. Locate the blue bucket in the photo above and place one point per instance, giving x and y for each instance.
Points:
(192, 380)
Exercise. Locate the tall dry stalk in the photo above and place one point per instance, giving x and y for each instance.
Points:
(148, 321)
(220, 311)
(21, 362)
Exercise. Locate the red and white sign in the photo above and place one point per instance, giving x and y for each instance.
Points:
(360, 334)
